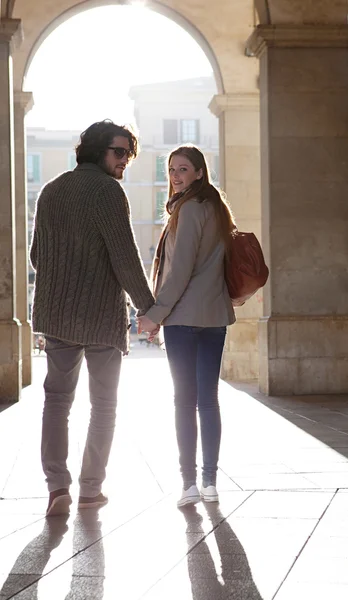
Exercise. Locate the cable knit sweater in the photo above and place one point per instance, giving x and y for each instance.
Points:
(86, 260)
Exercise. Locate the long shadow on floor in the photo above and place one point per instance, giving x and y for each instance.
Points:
(221, 577)
(86, 555)
(31, 562)
(88, 562)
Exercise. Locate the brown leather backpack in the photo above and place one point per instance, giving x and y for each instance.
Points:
(245, 267)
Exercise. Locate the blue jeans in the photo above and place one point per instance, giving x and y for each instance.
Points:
(194, 355)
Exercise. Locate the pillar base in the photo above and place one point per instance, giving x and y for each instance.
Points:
(10, 361)
(303, 355)
(240, 361)
(27, 349)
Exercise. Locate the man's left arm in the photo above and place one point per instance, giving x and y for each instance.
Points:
(112, 217)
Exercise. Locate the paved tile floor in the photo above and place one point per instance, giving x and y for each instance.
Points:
(280, 531)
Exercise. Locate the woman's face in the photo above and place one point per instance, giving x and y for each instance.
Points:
(182, 173)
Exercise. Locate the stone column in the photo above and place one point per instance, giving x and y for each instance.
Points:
(23, 102)
(238, 115)
(304, 166)
(10, 335)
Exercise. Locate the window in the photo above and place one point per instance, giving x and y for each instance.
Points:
(160, 168)
(180, 131)
(170, 131)
(189, 130)
(33, 168)
(161, 199)
(72, 161)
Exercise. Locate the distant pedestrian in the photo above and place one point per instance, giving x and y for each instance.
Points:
(41, 343)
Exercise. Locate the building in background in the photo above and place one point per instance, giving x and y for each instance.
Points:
(167, 114)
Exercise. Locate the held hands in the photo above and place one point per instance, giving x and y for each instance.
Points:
(145, 324)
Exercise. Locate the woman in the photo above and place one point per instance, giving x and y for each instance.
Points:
(193, 305)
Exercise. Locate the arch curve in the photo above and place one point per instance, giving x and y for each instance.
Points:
(153, 5)
(262, 9)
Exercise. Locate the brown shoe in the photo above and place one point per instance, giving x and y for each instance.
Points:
(94, 502)
(59, 503)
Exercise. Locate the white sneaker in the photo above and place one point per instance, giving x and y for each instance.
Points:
(209, 493)
(190, 496)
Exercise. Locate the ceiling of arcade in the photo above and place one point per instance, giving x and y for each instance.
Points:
(220, 27)
(269, 11)
(276, 12)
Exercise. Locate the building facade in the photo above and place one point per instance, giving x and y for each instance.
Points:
(167, 114)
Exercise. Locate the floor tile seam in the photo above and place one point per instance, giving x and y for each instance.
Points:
(132, 518)
(149, 468)
(304, 545)
(311, 420)
(19, 499)
(288, 471)
(295, 414)
(10, 473)
(320, 423)
(233, 481)
(191, 549)
(26, 587)
(312, 482)
(291, 468)
(243, 478)
(20, 529)
(84, 549)
(297, 489)
(339, 412)
(40, 576)
(92, 543)
(294, 490)
(332, 428)
(330, 472)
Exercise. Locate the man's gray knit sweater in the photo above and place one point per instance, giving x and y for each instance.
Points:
(86, 260)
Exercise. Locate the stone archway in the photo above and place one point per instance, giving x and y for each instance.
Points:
(162, 9)
(221, 31)
(303, 47)
(235, 103)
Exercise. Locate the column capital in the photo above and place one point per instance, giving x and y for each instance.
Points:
(11, 32)
(296, 36)
(24, 100)
(246, 101)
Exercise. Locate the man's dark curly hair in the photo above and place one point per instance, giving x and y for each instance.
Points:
(95, 140)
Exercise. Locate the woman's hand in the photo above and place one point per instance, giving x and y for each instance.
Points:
(145, 324)
(153, 333)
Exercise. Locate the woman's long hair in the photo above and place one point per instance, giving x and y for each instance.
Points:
(201, 189)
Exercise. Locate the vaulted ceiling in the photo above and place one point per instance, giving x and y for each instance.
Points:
(274, 12)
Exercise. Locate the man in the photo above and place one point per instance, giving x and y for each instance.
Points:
(86, 260)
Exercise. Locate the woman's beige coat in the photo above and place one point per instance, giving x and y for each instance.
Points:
(190, 287)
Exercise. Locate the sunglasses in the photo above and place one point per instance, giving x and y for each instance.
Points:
(121, 152)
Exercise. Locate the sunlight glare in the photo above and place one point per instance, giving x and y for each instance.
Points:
(83, 70)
